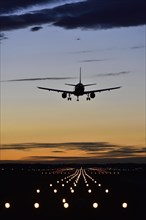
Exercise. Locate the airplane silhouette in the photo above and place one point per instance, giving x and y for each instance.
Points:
(79, 90)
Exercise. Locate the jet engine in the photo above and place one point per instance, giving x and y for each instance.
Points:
(92, 95)
(64, 95)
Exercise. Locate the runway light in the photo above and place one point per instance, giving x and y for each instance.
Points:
(66, 205)
(55, 190)
(63, 200)
(95, 205)
(38, 190)
(89, 190)
(72, 190)
(36, 205)
(106, 190)
(99, 184)
(7, 205)
(124, 205)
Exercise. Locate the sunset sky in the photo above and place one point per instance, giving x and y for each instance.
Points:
(53, 39)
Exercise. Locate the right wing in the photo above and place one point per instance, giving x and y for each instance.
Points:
(102, 90)
(56, 90)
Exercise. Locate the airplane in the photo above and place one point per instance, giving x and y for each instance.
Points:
(79, 90)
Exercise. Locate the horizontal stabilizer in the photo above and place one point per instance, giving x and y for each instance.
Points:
(90, 84)
(69, 84)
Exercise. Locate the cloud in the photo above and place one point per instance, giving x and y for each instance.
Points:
(36, 28)
(112, 74)
(90, 14)
(90, 50)
(91, 60)
(137, 47)
(106, 49)
(37, 79)
(94, 152)
(15, 5)
(89, 147)
(2, 36)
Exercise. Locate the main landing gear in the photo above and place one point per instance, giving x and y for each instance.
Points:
(69, 98)
(88, 98)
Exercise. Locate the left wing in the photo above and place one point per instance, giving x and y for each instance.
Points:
(56, 90)
(102, 90)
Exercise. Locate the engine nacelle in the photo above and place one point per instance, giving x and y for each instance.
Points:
(64, 95)
(92, 95)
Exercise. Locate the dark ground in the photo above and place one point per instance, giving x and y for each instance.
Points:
(125, 182)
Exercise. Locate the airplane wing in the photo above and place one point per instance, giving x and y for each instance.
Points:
(56, 90)
(102, 90)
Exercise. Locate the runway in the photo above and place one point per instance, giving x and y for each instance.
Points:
(72, 191)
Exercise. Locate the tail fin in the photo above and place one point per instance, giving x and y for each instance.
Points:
(80, 75)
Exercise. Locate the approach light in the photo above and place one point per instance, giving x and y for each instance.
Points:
(55, 190)
(63, 200)
(95, 205)
(106, 190)
(66, 205)
(124, 205)
(7, 205)
(36, 205)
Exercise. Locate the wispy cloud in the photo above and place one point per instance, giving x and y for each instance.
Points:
(82, 14)
(136, 47)
(91, 60)
(2, 36)
(36, 28)
(112, 74)
(90, 51)
(37, 79)
(15, 5)
(91, 151)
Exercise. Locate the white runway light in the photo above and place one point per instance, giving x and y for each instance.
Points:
(95, 205)
(124, 205)
(66, 205)
(7, 205)
(36, 205)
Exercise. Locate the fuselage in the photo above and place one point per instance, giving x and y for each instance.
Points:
(79, 89)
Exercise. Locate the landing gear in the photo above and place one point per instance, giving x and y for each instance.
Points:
(88, 98)
(69, 98)
(77, 98)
